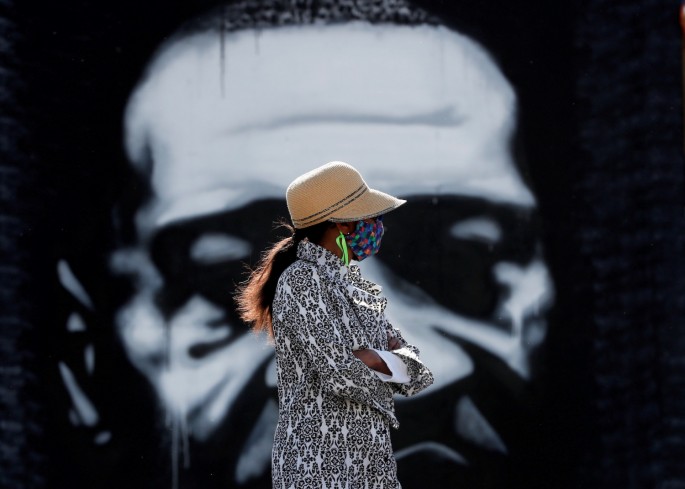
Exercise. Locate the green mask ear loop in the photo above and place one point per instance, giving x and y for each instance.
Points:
(342, 244)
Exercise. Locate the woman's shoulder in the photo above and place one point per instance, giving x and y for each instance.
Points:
(298, 272)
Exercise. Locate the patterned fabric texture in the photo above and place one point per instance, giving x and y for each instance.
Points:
(334, 412)
(365, 240)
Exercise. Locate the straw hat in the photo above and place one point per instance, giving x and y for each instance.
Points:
(335, 192)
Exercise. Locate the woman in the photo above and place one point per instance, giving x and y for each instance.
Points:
(339, 360)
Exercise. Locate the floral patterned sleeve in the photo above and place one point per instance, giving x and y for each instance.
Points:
(420, 376)
(303, 315)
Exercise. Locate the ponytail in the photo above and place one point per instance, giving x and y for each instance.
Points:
(254, 297)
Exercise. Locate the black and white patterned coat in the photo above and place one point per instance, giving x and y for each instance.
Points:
(334, 412)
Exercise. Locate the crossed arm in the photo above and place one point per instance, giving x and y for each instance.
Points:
(373, 360)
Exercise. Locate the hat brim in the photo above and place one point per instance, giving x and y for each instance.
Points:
(372, 203)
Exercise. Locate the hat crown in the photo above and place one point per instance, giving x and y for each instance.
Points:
(335, 192)
(320, 193)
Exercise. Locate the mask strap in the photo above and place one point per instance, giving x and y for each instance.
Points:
(342, 244)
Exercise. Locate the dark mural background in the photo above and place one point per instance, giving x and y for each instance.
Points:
(592, 399)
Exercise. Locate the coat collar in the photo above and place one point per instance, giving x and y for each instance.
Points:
(359, 290)
(331, 265)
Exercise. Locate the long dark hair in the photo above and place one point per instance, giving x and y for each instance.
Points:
(255, 296)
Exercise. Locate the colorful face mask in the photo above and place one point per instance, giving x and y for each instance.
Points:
(365, 240)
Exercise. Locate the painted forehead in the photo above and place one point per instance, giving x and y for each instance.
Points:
(232, 119)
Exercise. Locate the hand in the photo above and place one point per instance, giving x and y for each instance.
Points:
(373, 360)
(394, 343)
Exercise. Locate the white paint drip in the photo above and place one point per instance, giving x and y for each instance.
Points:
(177, 421)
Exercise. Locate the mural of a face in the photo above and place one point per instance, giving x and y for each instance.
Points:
(222, 123)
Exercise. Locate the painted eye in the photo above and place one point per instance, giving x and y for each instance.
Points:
(215, 248)
(480, 229)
